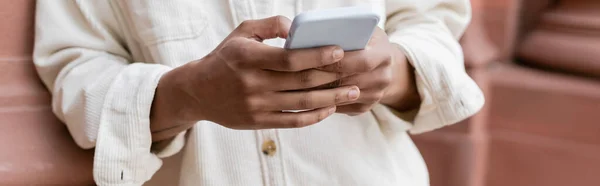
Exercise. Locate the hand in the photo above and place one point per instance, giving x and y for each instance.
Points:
(382, 73)
(245, 84)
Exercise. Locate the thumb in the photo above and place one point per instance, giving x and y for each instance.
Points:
(268, 28)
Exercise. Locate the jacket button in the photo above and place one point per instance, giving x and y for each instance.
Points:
(269, 148)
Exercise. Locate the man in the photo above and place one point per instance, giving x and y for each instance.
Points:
(141, 80)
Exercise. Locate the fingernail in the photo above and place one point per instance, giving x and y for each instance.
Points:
(331, 110)
(338, 53)
(353, 93)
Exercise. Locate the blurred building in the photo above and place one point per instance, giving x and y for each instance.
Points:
(538, 62)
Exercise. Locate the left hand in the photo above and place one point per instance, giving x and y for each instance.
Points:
(381, 72)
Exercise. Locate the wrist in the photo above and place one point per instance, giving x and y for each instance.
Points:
(402, 94)
(168, 110)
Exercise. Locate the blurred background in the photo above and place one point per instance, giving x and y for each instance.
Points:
(538, 62)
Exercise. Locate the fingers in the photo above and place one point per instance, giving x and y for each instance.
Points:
(367, 97)
(377, 52)
(244, 48)
(296, 119)
(301, 59)
(303, 100)
(278, 59)
(280, 81)
(272, 58)
(268, 28)
(247, 53)
(380, 78)
(360, 61)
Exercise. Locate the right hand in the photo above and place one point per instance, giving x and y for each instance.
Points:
(245, 84)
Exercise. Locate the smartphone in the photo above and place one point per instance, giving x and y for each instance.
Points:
(347, 27)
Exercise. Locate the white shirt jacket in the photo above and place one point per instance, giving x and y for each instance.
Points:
(102, 59)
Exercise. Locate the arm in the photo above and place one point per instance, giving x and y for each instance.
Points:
(103, 98)
(113, 104)
(427, 32)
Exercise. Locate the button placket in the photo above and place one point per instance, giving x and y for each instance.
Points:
(271, 157)
(269, 148)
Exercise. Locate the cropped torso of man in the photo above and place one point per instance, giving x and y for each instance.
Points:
(103, 60)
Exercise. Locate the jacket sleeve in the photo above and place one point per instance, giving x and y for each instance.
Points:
(103, 98)
(427, 31)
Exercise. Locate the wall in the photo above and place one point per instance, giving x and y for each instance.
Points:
(538, 64)
(36, 147)
(538, 127)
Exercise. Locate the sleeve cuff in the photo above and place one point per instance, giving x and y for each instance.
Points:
(123, 155)
(463, 103)
(448, 94)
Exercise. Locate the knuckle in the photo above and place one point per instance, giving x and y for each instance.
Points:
(248, 83)
(279, 19)
(388, 74)
(246, 25)
(380, 95)
(340, 97)
(340, 77)
(339, 66)
(385, 83)
(246, 87)
(233, 51)
(280, 22)
(320, 117)
(311, 119)
(387, 60)
(305, 78)
(305, 101)
(365, 64)
(227, 52)
(253, 104)
(382, 83)
(386, 79)
(324, 56)
(243, 50)
(298, 122)
(253, 120)
(369, 65)
(286, 61)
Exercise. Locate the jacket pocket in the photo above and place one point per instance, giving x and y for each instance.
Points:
(170, 32)
(161, 21)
